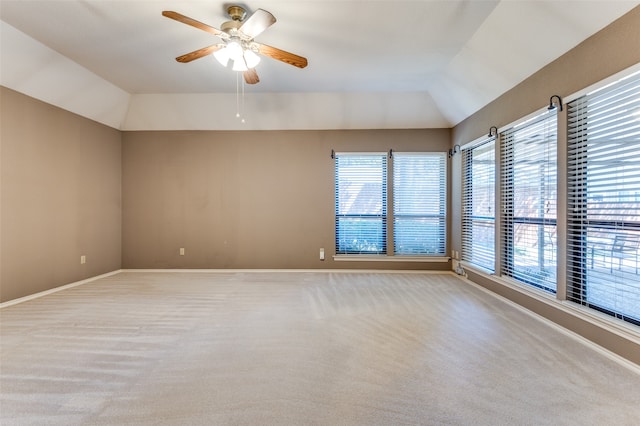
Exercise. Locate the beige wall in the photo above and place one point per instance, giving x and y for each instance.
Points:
(60, 181)
(244, 199)
(613, 49)
(608, 52)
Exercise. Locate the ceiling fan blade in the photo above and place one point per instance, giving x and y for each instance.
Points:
(257, 23)
(197, 24)
(281, 55)
(251, 76)
(196, 54)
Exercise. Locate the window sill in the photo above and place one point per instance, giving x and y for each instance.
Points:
(385, 258)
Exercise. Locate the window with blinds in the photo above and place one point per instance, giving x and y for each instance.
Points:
(528, 181)
(419, 203)
(361, 203)
(478, 204)
(603, 233)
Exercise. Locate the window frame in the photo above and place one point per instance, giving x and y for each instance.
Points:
(388, 252)
(595, 120)
(341, 245)
(472, 222)
(514, 225)
(438, 246)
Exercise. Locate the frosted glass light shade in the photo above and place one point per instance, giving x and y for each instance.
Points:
(222, 56)
(235, 50)
(251, 59)
(239, 64)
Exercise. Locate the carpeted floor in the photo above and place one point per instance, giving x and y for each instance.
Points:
(298, 348)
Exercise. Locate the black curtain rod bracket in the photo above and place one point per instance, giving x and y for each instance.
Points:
(558, 101)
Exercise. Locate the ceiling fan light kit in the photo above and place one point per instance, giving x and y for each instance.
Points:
(238, 43)
(251, 58)
(239, 65)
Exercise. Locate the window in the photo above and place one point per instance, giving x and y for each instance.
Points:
(603, 233)
(418, 206)
(361, 203)
(478, 204)
(419, 201)
(528, 201)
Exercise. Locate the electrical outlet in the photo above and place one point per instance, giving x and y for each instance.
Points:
(321, 254)
(181, 251)
(83, 259)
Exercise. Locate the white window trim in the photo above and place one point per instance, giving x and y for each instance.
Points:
(388, 258)
(391, 257)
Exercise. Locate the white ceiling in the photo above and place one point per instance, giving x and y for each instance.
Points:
(372, 64)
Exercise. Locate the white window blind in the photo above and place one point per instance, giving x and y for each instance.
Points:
(419, 203)
(478, 204)
(528, 200)
(603, 238)
(361, 203)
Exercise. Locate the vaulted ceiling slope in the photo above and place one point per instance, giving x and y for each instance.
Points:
(372, 64)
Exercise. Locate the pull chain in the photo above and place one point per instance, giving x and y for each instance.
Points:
(242, 100)
(237, 95)
(239, 106)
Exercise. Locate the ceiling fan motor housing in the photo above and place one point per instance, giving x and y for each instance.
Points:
(230, 27)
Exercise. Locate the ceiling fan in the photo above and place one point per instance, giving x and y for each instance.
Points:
(238, 43)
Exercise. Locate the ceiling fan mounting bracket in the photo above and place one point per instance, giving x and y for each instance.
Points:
(236, 13)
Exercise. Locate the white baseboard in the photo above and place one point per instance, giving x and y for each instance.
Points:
(332, 271)
(88, 280)
(56, 289)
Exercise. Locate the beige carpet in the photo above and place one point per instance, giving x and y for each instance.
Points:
(296, 348)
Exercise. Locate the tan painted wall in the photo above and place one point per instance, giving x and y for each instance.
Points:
(608, 52)
(244, 199)
(60, 182)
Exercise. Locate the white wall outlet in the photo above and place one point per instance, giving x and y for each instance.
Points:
(83, 259)
(321, 254)
(181, 251)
